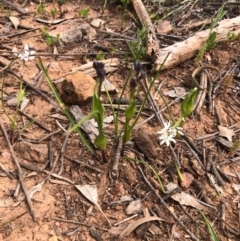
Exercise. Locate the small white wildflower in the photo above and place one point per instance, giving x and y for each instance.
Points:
(168, 133)
(26, 54)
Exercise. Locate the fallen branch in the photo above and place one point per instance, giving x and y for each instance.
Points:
(152, 41)
(185, 50)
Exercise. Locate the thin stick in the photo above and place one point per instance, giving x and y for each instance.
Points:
(20, 175)
(19, 9)
(166, 206)
(35, 121)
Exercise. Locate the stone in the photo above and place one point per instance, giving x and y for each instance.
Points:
(32, 152)
(73, 31)
(77, 89)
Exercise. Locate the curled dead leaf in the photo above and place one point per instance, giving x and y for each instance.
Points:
(135, 224)
(226, 132)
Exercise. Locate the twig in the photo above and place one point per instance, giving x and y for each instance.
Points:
(19, 9)
(50, 153)
(6, 172)
(125, 220)
(115, 165)
(166, 206)
(35, 121)
(51, 134)
(63, 148)
(84, 165)
(20, 175)
(216, 174)
(80, 223)
(17, 34)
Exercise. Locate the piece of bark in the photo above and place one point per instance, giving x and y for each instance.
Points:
(184, 50)
(152, 41)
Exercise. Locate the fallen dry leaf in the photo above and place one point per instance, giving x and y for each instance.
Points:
(178, 92)
(135, 224)
(188, 200)
(90, 192)
(53, 238)
(15, 21)
(187, 179)
(226, 132)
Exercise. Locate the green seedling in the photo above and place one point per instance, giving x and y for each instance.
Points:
(83, 13)
(211, 41)
(41, 8)
(100, 56)
(49, 39)
(54, 12)
(14, 130)
(125, 3)
(209, 227)
(137, 48)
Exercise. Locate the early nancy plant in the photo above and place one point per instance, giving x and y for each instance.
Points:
(25, 56)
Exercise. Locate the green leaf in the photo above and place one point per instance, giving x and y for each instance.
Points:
(209, 226)
(20, 97)
(100, 56)
(187, 106)
(83, 12)
(101, 142)
(97, 107)
(211, 41)
(130, 111)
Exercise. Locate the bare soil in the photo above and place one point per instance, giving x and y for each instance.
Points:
(63, 213)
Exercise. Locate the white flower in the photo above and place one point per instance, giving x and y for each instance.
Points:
(168, 133)
(26, 54)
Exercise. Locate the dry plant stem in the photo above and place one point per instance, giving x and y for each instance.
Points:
(40, 76)
(50, 153)
(82, 164)
(193, 146)
(80, 223)
(51, 134)
(118, 35)
(20, 175)
(223, 175)
(202, 93)
(6, 172)
(18, 9)
(125, 220)
(115, 165)
(152, 41)
(18, 34)
(166, 206)
(181, 51)
(63, 148)
(214, 171)
(218, 116)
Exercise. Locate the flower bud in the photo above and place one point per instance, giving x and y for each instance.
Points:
(137, 66)
(95, 64)
(133, 83)
(101, 73)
